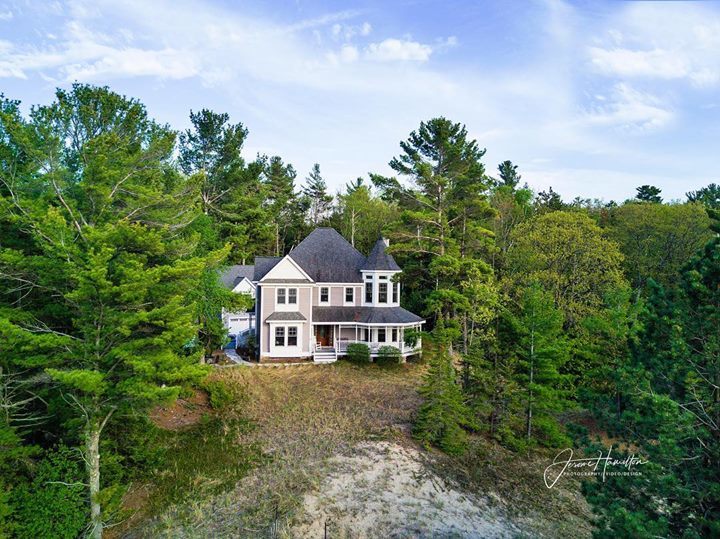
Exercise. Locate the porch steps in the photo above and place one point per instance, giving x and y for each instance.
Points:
(324, 356)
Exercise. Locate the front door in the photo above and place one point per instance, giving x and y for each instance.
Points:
(324, 335)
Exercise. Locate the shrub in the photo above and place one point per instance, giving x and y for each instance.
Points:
(411, 338)
(219, 392)
(358, 352)
(389, 355)
(53, 504)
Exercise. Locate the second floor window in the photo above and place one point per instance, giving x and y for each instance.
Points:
(280, 295)
(396, 292)
(382, 293)
(368, 292)
(349, 295)
(292, 295)
(324, 294)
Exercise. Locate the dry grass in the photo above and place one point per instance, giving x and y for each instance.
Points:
(303, 416)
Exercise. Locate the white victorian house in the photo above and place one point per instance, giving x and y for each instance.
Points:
(322, 296)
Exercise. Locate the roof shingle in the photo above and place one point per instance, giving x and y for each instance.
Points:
(365, 315)
(378, 259)
(327, 257)
(231, 276)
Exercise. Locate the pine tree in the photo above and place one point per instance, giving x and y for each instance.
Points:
(443, 415)
(672, 413)
(542, 350)
(649, 193)
(93, 288)
(315, 192)
(231, 190)
(509, 176)
(281, 201)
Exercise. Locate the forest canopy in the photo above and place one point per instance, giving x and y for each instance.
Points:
(543, 315)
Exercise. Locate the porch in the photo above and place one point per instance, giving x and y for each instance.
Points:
(332, 340)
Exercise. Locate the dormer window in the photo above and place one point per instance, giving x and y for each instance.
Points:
(382, 292)
(324, 294)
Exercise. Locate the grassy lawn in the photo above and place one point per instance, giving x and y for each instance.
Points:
(237, 470)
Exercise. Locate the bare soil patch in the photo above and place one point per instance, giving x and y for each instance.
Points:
(183, 413)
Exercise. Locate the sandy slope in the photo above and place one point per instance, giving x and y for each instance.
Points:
(385, 490)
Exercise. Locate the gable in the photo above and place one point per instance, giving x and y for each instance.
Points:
(286, 270)
(245, 287)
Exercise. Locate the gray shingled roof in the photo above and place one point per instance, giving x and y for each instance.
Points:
(328, 257)
(263, 264)
(285, 316)
(379, 259)
(365, 315)
(231, 276)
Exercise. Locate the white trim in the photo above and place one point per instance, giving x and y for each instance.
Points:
(287, 306)
(347, 303)
(363, 324)
(297, 266)
(329, 292)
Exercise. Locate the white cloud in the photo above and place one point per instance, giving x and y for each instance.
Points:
(6, 15)
(671, 42)
(631, 110)
(392, 49)
(625, 62)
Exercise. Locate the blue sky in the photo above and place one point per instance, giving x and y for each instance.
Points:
(590, 98)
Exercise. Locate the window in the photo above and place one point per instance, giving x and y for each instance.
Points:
(382, 293)
(281, 295)
(383, 277)
(292, 336)
(368, 292)
(381, 335)
(292, 295)
(350, 295)
(366, 335)
(394, 335)
(396, 292)
(324, 294)
(280, 336)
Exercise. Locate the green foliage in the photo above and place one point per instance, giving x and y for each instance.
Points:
(443, 415)
(567, 254)
(411, 337)
(54, 502)
(657, 239)
(221, 395)
(388, 355)
(358, 352)
(670, 412)
(707, 196)
(649, 193)
(318, 199)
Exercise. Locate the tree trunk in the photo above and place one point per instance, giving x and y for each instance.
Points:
(92, 462)
(532, 375)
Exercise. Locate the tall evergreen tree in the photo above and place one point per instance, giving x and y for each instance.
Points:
(648, 193)
(443, 213)
(286, 209)
(231, 190)
(316, 194)
(443, 415)
(508, 173)
(542, 349)
(709, 196)
(93, 293)
(672, 413)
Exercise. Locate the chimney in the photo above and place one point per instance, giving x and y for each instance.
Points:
(386, 242)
